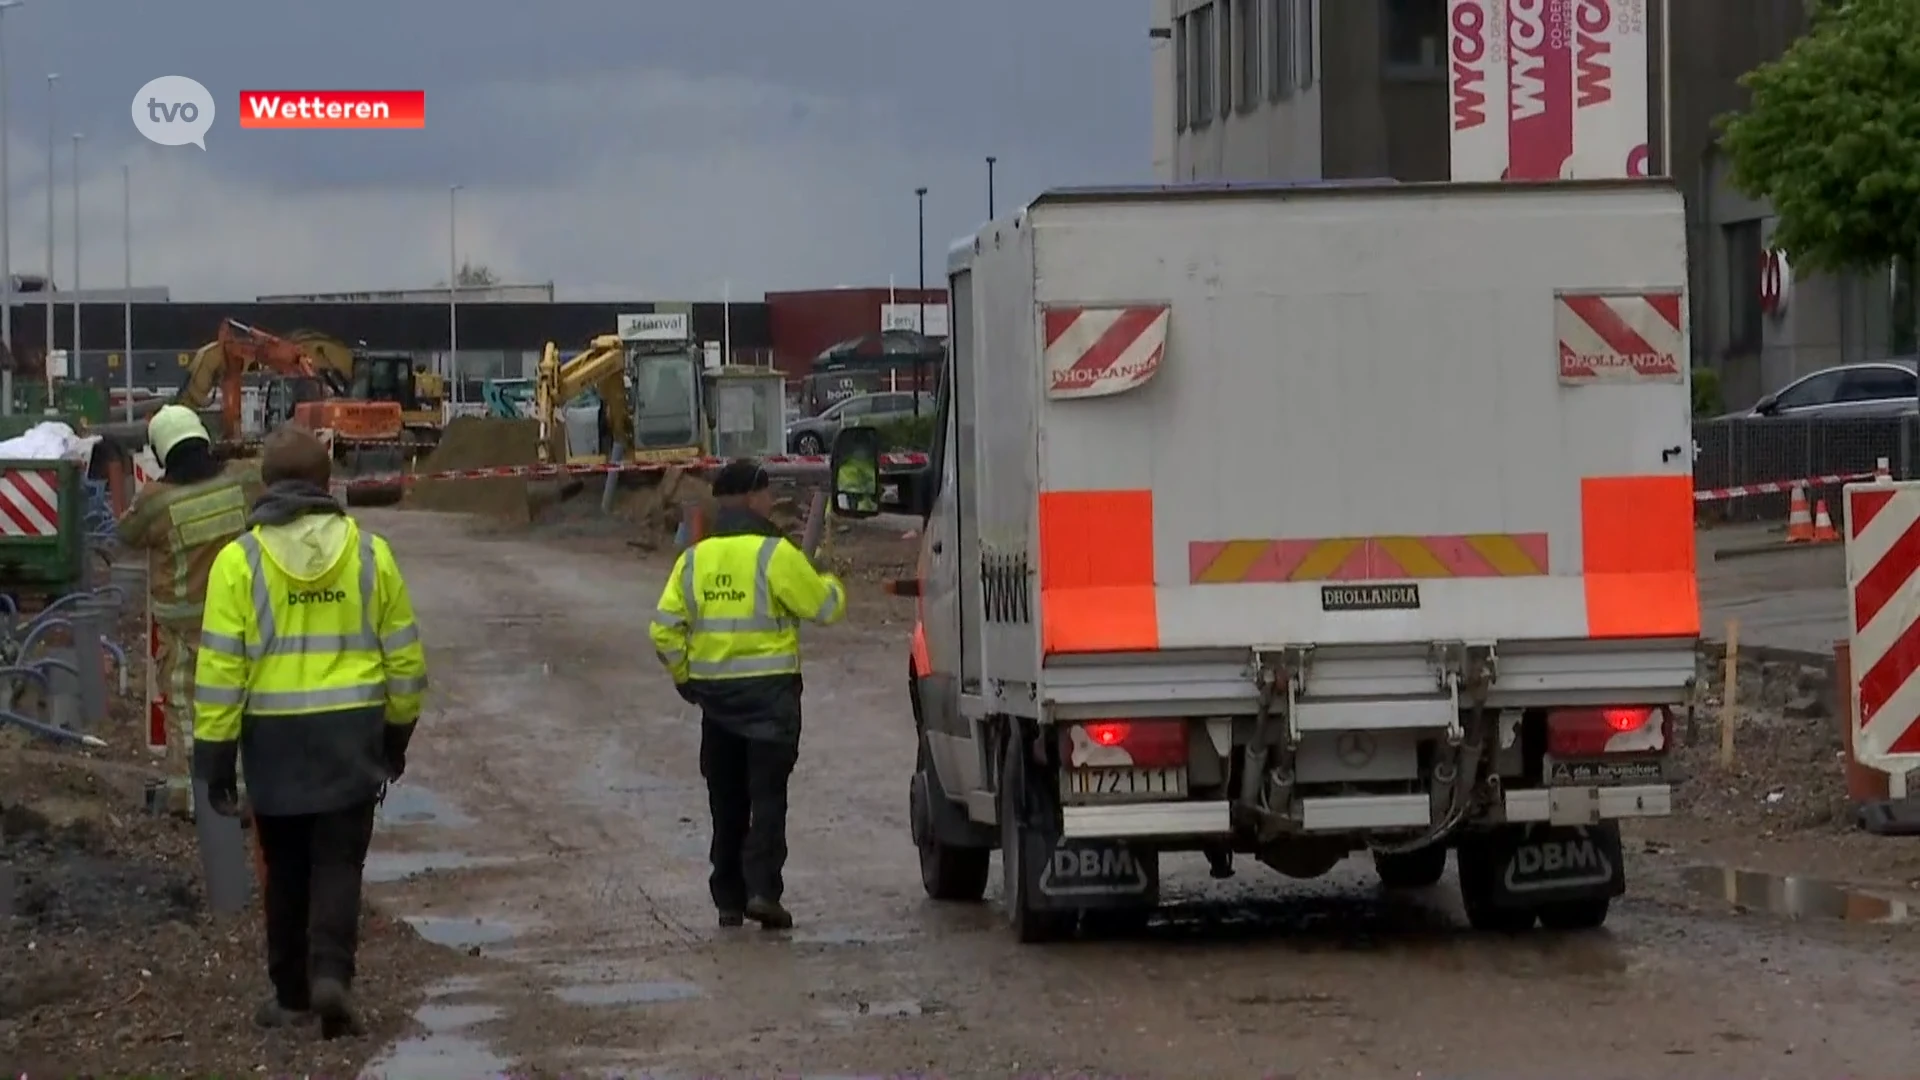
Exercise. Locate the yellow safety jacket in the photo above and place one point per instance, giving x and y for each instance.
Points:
(309, 652)
(727, 626)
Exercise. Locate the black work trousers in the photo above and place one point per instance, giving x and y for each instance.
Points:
(314, 868)
(747, 796)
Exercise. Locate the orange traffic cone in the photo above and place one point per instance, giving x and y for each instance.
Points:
(1799, 521)
(1823, 530)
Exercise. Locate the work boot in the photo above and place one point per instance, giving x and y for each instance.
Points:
(272, 1014)
(732, 918)
(1219, 863)
(335, 1007)
(769, 914)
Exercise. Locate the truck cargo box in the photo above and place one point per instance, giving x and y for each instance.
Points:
(1386, 414)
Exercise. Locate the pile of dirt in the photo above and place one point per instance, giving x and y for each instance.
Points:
(113, 965)
(115, 968)
(479, 442)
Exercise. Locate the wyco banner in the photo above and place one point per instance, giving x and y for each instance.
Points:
(1548, 89)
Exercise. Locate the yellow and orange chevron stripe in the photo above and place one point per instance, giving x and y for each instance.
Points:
(1367, 558)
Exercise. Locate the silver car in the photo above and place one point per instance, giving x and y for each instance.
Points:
(814, 434)
(1880, 388)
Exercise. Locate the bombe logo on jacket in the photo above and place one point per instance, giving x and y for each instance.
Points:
(720, 587)
(314, 596)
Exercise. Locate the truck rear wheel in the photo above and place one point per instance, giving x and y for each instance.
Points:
(1572, 915)
(946, 872)
(1025, 824)
(1411, 869)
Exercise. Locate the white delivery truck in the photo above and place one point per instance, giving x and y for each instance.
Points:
(1300, 521)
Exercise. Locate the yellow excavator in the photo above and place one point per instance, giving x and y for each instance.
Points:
(658, 403)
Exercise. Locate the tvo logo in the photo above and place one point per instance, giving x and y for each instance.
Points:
(314, 596)
(174, 110)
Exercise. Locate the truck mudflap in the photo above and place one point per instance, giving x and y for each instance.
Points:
(1081, 875)
(1528, 866)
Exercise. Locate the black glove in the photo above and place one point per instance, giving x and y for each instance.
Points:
(218, 765)
(396, 737)
(685, 690)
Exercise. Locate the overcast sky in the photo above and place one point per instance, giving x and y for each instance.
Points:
(624, 149)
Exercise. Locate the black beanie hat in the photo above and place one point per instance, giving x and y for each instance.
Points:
(741, 476)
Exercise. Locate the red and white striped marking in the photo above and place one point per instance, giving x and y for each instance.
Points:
(145, 468)
(1883, 588)
(803, 462)
(1777, 487)
(1097, 351)
(156, 713)
(30, 502)
(1619, 337)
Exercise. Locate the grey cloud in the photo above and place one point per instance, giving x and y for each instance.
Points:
(614, 147)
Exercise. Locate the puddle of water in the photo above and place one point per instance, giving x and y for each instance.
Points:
(385, 866)
(1796, 898)
(873, 1010)
(442, 1054)
(438, 1057)
(629, 993)
(410, 804)
(456, 933)
(442, 1019)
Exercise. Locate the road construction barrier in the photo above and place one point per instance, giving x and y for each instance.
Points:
(1779, 487)
(1882, 541)
(806, 465)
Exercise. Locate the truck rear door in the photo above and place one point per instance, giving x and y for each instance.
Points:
(1382, 415)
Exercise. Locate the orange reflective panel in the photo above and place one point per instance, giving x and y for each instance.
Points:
(1096, 572)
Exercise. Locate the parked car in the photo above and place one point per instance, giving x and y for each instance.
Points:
(814, 434)
(1880, 388)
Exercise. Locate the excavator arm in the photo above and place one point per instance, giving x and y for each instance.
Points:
(603, 367)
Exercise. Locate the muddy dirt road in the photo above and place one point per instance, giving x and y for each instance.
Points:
(553, 825)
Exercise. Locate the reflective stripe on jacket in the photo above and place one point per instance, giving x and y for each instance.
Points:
(728, 621)
(304, 664)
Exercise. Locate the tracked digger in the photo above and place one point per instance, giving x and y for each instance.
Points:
(382, 376)
(658, 403)
(367, 435)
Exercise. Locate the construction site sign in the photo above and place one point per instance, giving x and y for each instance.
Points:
(653, 326)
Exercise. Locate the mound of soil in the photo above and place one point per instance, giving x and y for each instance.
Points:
(479, 442)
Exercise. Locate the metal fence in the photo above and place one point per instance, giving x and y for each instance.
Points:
(1746, 453)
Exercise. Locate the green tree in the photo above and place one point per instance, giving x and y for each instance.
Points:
(472, 276)
(1831, 138)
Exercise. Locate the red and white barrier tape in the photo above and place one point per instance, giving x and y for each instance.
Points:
(507, 472)
(1778, 487)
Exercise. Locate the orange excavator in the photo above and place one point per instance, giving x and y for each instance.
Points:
(311, 396)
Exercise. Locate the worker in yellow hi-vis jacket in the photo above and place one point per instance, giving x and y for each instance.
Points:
(727, 627)
(311, 667)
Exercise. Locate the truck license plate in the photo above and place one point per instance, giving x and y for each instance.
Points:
(1127, 781)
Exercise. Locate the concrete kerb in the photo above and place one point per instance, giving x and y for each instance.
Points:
(1771, 547)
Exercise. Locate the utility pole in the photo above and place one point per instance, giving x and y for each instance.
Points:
(73, 355)
(991, 160)
(920, 195)
(53, 181)
(6, 226)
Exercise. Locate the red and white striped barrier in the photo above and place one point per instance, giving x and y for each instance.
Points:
(156, 700)
(1777, 487)
(30, 502)
(1883, 562)
(779, 463)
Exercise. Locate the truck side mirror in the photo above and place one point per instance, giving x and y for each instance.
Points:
(855, 469)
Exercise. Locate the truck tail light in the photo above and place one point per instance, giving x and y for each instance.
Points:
(1147, 744)
(1621, 729)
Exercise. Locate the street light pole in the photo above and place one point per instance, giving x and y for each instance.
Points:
(126, 311)
(990, 163)
(53, 181)
(920, 196)
(6, 225)
(73, 357)
(453, 290)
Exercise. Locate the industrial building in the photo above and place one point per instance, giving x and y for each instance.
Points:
(497, 337)
(1311, 89)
